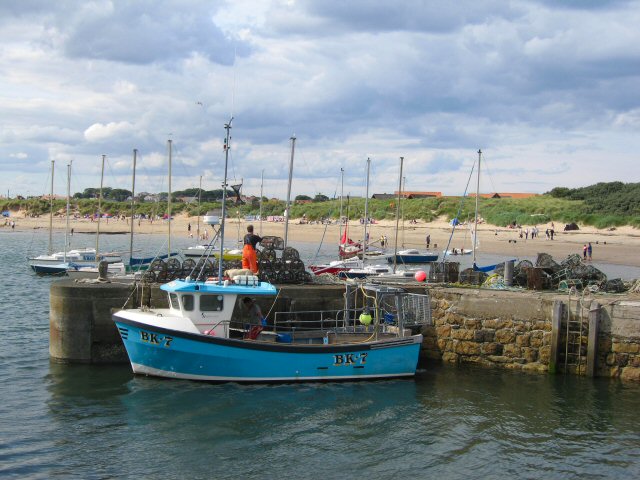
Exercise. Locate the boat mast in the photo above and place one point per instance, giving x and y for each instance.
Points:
(53, 162)
(66, 230)
(475, 223)
(261, 185)
(366, 213)
(169, 142)
(133, 197)
(227, 147)
(199, 201)
(99, 210)
(395, 244)
(286, 220)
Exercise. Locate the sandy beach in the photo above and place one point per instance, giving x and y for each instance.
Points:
(620, 246)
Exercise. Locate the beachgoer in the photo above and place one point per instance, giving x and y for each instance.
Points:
(589, 251)
(428, 240)
(584, 251)
(551, 232)
(249, 256)
(382, 241)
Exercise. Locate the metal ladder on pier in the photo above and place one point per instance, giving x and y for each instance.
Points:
(576, 337)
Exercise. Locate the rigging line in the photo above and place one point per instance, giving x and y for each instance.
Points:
(326, 225)
(464, 195)
(488, 172)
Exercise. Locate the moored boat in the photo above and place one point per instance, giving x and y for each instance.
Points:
(412, 256)
(201, 337)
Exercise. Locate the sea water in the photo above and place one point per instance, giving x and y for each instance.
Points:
(83, 421)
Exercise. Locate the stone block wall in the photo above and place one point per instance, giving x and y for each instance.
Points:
(490, 329)
(619, 340)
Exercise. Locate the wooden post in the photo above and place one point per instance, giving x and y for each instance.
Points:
(556, 325)
(592, 345)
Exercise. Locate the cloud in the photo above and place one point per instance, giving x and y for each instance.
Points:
(99, 132)
(531, 82)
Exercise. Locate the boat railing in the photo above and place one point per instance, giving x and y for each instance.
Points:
(309, 320)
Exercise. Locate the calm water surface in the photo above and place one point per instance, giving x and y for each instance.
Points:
(60, 421)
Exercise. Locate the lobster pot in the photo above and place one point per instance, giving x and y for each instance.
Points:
(472, 277)
(444, 272)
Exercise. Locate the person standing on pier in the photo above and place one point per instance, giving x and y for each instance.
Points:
(249, 256)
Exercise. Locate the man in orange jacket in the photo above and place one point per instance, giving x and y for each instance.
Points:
(249, 257)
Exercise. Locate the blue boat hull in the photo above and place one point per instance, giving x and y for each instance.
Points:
(169, 353)
(50, 269)
(413, 258)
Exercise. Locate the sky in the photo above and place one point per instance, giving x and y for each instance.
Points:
(549, 90)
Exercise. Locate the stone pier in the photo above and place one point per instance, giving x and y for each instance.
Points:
(517, 330)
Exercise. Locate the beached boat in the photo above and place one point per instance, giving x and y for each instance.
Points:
(458, 251)
(198, 337)
(412, 256)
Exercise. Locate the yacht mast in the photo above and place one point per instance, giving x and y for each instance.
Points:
(227, 147)
(261, 185)
(366, 213)
(395, 245)
(286, 219)
(199, 201)
(133, 196)
(66, 230)
(169, 142)
(99, 210)
(475, 223)
(53, 162)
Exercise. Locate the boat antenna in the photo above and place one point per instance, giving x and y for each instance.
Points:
(286, 212)
(227, 147)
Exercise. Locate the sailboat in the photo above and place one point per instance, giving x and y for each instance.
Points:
(201, 336)
(411, 255)
(79, 270)
(141, 263)
(58, 263)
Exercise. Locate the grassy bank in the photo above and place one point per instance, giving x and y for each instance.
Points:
(501, 212)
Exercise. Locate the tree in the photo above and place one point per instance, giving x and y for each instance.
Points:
(302, 197)
(320, 198)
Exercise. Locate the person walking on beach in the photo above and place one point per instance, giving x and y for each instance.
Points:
(584, 252)
(589, 251)
(249, 256)
(428, 240)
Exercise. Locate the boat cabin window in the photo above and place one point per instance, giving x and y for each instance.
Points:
(210, 303)
(173, 300)
(187, 302)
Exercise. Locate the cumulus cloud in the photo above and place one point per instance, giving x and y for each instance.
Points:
(99, 132)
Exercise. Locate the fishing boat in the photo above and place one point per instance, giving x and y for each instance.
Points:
(203, 335)
(198, 337)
